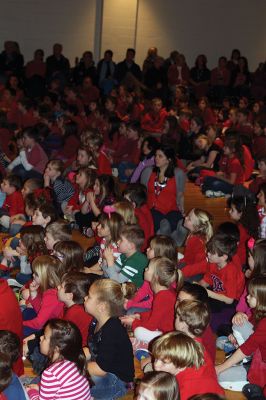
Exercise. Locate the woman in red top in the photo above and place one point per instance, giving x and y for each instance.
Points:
(233, 170)
(165, 188)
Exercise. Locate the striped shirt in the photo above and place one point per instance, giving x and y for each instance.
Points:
(63, 381)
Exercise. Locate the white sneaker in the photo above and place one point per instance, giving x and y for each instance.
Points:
(14, 283)
(209, 193)
(218, 194)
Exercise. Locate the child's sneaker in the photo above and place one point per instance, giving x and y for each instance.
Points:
(209, 193)
(252, 392)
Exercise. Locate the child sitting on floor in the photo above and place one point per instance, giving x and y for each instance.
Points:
(223, 279)
(13, 204)
(55, 232)
(129, 266)
(109, 350)
(183, 357)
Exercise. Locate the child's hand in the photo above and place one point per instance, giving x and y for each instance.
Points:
(127, 320)
(94, 225)
(46, 180)
(232, 340)
(32, 386)
(25, 348)
(9, 253)
(25, 294)
(109, 256)
(20, 251)
(239, 318)
(144, 362)
(90, 197)
(87, 353)
(33, 289)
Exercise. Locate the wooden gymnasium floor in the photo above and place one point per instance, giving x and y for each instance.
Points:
(193, 198)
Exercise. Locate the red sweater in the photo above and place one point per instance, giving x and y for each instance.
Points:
(193, 381)
(195, 250)
(14, 203)
(145, 221)
(11, 318)
(228, 280)
(166, 201)
(79, 317)
(47, 306)
(161, 316)
(152, 122)
(103, 163)
(242, 249)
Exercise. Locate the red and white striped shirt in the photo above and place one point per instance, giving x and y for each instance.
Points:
(63, 381)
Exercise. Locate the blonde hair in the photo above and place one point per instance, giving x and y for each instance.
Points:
(195, 314)
(110, 292)
(164, 246)
(57, 164)
(165, 272)
(162, 385)
(179, 349)
(59, 230)
(47, 268)
(126, 210)
(257, 288)
(203, 226)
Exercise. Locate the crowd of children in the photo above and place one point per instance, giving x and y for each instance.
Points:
(107, 152)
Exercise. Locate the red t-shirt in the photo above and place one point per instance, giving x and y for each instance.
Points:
(104, 165)
(242, 246)
(152, 122)
(228, 280)
(14, 203)
(254, 186)
(161, 316)
(37, 158)
(195, 250)
(233, 166)
(145, 221)
(79, 317)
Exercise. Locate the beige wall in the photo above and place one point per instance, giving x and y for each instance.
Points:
(212, 27)
(119, 26)
(40, 23)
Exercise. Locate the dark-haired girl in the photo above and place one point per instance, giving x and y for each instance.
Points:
(65, 378)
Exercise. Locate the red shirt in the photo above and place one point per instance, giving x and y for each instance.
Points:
(79, 317)
(193, 381)
(254, 186)
(233, 166)
(145, 221)
(152, 122)
(161, 316)
(209, 342)
(14, 203)
(228, 280)
(104, 165)
(37, 158)
(256, 345)
(195, 250)
(241, 249)
(11, 317)
(166, 200)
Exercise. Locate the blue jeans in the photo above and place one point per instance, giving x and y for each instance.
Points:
(108, 387)
(172, 217)
(27, 315)
(216, 185)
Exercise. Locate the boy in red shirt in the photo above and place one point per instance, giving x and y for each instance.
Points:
(153, 121)
(223, 279)
(137, 195)
(180, 355)
(13, 204)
